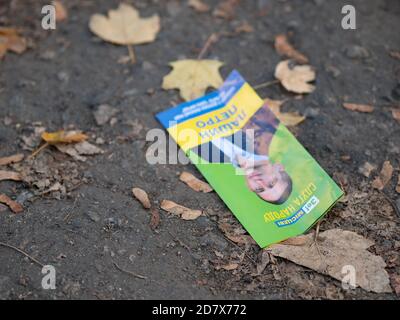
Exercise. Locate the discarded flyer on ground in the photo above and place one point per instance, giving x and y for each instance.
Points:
(272, 185)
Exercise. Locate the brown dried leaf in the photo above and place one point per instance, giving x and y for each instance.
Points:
(336, 249)
(10, 175)
(398, 185)
(289, 118)
(61, 11)
(284, 48)
(358, 107)
(395, 54)
(195, 183)
(11, 159)
(199, 6)
(142, 196)
(155, 219)
(10, 40)
(228, 267)
(226, 9)
(384, 176)
(295, 241)
(14, 206)
(396, 114)
(244, 27)
(183, 212)
(295, 79)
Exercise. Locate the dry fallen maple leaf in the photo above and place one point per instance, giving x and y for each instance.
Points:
(11, 159)
(193, 77)
(183, 212)
(11, 40)
(284, 48)
(358, 107)
(384, 176)
(335, 249)
(289, 118)
(124, 26)
(195, 183)
(199, 6)
(61, 11)
(14, 206)
(10, 175)
(142, 196)
(295, 78)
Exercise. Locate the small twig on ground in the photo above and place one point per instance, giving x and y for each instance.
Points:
(265, 84)
(180, 242)
(132, 55)
(213, 38)
(38, 150)
(21, 251)
(129, 272)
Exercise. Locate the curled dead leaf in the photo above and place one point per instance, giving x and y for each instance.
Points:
(195, 183)
(228, 267)
(181, 211)
(199, 6)
(284, 48)
(226, 9)
(142, 196)
(61, 11)
(63, 137)
(14, 206)
(244, 27)
(289, 118)
(193, 77)
(79, 150)
(384, 176)
(358, 107)
(396, 114)
(295, 79)
(10, 175)
(155, 219)
(11, 159)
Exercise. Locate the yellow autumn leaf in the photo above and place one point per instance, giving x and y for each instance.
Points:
(124, 26)
(63, 137)
(193, 77)
(295, 78)
(289, 119)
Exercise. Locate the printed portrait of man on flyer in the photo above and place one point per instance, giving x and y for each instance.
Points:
(248, 149)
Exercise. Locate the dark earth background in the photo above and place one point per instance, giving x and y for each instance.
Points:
(68, 72)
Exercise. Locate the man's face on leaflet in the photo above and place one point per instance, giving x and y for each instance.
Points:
(267, 180)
